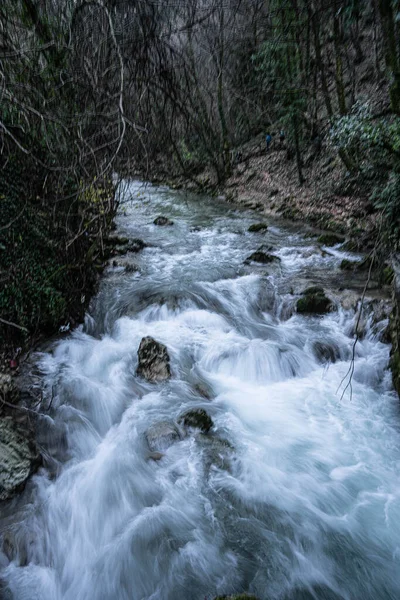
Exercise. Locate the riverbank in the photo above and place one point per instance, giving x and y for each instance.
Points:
(330, 198)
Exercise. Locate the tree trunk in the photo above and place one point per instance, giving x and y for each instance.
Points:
(391, 55)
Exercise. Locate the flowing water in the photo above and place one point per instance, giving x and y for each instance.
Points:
(295, 492)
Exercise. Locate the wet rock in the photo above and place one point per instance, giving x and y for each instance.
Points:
(155, 456)
(351, 265)
(196, 418)
(326, 352)
(215, 450)
(330, 239)
(161, 436)
(136, 245)
(8, 390)
(256, 227)
(129, 267)
(348, 265)
(237, 597)
(18, 457)
(116, 240)
(262, 257)
(204, 390)
(349, 300)
(314, 301)
(162, 221)
(153, 360)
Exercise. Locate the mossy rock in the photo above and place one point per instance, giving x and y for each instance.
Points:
(387, 276)
(256, 227)
(136, 245)
(196, 418)
(330, 239)
(347, 265)
(351, 246)
(116, 240)
(314, 301)
(314, 289)
(262, 258)
(351, 265)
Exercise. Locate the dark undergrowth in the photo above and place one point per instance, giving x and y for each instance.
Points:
(51, 249)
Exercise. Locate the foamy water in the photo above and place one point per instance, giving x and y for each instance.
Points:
(295, 492)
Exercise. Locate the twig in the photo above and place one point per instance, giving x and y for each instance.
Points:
(13, 324)
(350, 371)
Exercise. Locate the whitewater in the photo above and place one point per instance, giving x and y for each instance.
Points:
(294, 494)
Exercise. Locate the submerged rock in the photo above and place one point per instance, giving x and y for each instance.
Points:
(136, 245)
(314, 301)
(326, 351)
(262, 257)
(128, 266)
(215, 450)
(161, 436)
(18, 457)
(256, 227)
(196, 418)
(162, 221)
(155, 456)
(153, 360)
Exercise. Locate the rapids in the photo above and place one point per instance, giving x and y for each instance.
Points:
(295, 492)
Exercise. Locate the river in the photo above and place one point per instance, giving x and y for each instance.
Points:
(294, 494)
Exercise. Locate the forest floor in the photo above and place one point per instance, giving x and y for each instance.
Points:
(329, 198)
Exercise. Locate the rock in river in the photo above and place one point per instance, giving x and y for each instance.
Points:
(314, 301)
(18, 457)
(161, 436)
(196, 418)
(153, 360)
(256, 227)
(163, 221)
(262, 257)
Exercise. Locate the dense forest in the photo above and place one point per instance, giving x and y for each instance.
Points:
(94, 87)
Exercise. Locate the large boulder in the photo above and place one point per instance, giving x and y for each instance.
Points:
(314, 301)
(196, 418)
(153, 360)
(162, 221)
(161, 436)
(18, 457)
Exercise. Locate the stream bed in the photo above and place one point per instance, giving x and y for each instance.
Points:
(294, 493)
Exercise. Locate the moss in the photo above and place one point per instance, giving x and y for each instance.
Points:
(387, 275)
(256, 227)
(351, 245)
(314, 301)
(329, 239)
(347, 265)
(315, 289)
